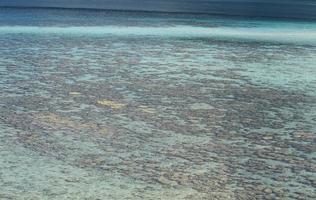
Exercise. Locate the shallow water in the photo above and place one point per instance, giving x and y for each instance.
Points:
(155, 106)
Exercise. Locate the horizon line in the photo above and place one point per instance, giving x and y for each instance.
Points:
(163, 12)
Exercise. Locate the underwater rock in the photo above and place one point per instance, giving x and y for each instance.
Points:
(74, 93)
(278, 191)
(111, 104)
(201, 106)
(267, 190)
(270, 197)
(59, 122)
(304, 135)
(146, 109)
(72, 179)
(41, 144)
(268, 137)
(164, 181)
(90, 161)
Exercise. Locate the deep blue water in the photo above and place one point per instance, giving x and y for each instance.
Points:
(135, 105)
(304, 9)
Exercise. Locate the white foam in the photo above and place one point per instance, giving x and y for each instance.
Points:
(281, 35)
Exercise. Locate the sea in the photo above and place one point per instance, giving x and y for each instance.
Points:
(102, 105)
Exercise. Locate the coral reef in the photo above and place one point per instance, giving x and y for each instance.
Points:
(120, 118)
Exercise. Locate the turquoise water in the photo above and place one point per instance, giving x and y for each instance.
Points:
(117, 105)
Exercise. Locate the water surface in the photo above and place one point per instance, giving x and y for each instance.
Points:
(117, 105)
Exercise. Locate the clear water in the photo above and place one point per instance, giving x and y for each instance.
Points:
(117, 105)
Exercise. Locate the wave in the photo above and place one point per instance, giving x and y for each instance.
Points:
(259, 34)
